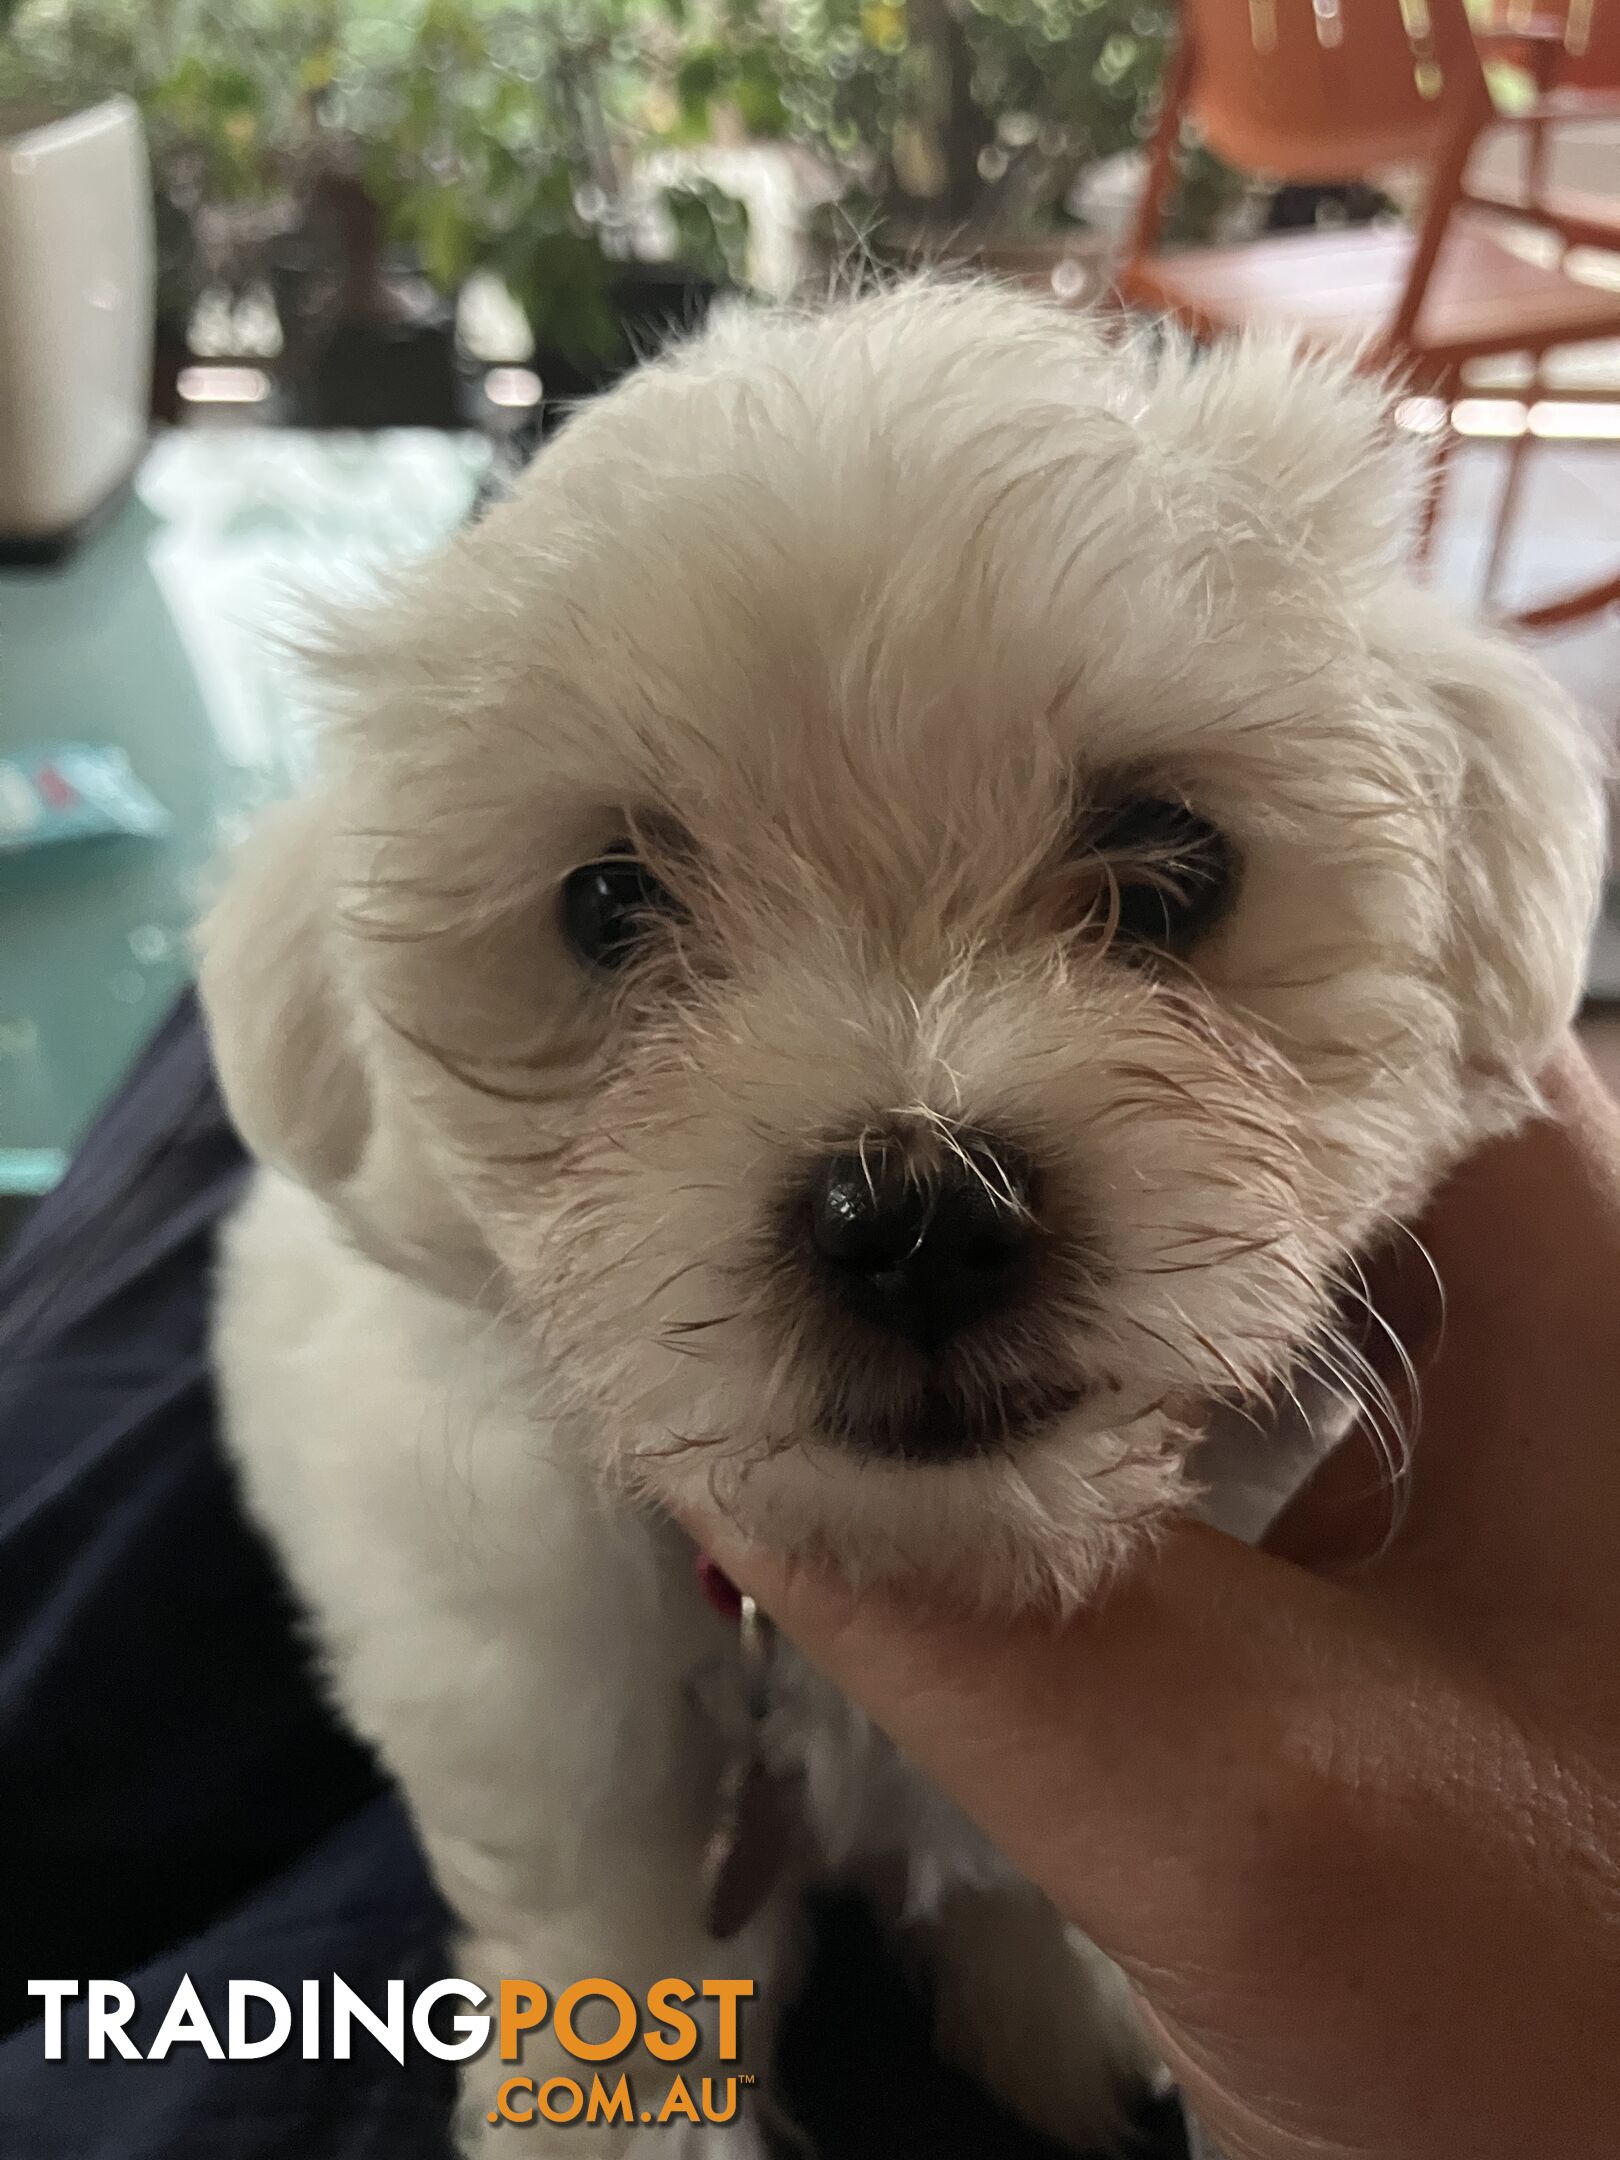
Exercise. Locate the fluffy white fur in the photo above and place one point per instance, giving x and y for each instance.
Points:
(849, 616)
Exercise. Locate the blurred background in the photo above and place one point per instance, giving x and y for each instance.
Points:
(287, 286)
(371, 203)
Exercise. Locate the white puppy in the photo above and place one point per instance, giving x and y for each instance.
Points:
(871, 948)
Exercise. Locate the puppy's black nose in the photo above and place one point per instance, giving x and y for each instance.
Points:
(924, 1249)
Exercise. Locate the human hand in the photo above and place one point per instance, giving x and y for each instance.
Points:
(1350, 1824)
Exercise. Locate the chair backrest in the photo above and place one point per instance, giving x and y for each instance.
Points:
(1324, 90)
(1591, 37)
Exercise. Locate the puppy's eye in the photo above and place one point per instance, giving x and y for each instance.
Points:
(1174, 871)
(608, 906)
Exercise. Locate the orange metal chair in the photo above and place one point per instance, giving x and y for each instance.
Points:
(1570, 49)
(1338, 90)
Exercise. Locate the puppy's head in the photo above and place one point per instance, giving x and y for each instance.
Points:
(902, 911)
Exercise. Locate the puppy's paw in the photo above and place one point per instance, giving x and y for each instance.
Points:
(471, 2131)
(738, 2140)
(1040, 2017)
(475, 2137)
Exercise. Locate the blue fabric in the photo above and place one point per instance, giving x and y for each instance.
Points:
(174, 1798)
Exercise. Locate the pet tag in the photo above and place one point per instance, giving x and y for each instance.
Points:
(755, 1814)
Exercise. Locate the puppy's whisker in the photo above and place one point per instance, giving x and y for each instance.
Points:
(1377, 1414)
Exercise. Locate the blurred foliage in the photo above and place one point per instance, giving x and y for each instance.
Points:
(488, 134)
(967, 118)
(504, 134)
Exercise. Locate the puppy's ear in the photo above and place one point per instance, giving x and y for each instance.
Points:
(1304, 449)
(292, 1076)
(1527, 848)
(1303, 445)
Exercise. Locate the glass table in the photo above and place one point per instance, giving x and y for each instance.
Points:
(169, 635)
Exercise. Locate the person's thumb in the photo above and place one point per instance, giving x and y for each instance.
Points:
(1126, 1759)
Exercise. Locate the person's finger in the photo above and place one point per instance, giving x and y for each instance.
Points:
(1345, 1511)
(1122, 1758)
(1469, 1301)
(1515, 1460)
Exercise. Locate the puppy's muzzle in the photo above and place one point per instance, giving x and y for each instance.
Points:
(924, 1249)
